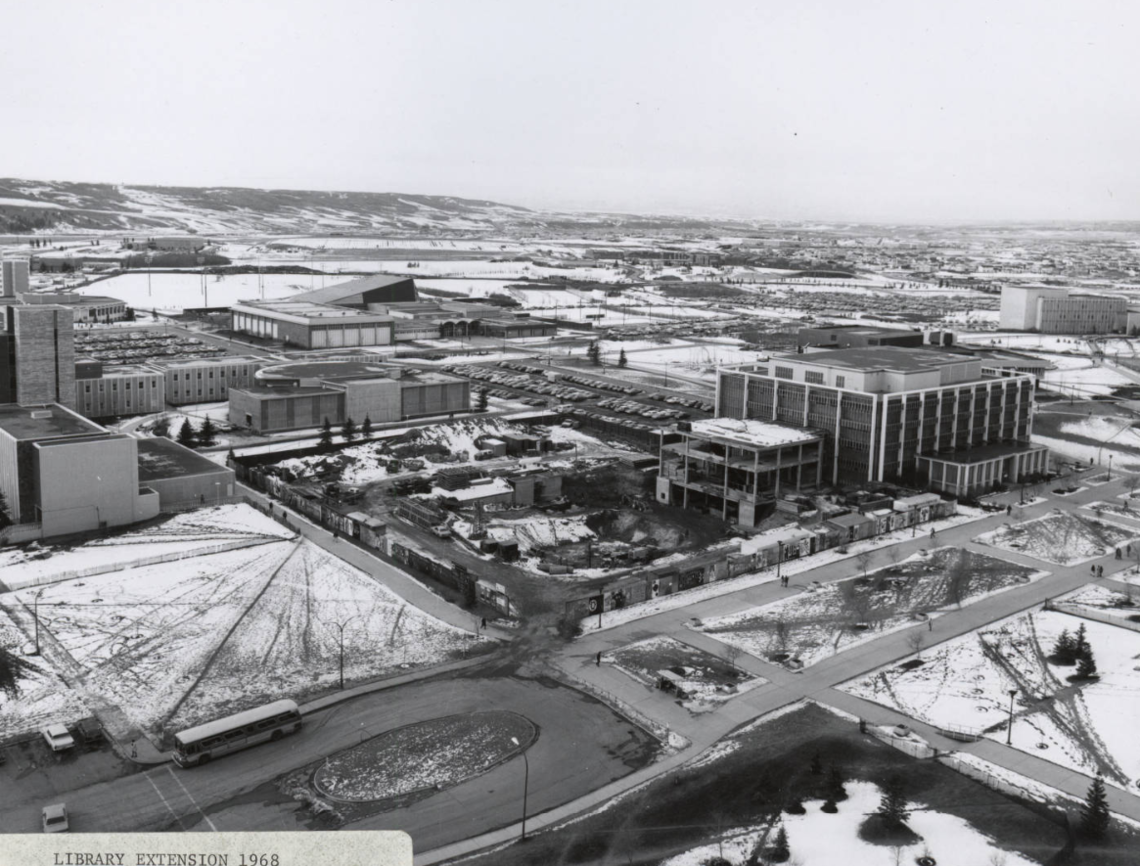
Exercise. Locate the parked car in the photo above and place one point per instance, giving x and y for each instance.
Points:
(58, 738)
(441, 531)
(55, 818)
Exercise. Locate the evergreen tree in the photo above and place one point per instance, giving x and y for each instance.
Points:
(1065, 649)
(162, 426)
(622, 361)
(366, 428)
(1095, 818)
(348, 431)
(5, 516)
(835, 789)
(481, 401)
(12, 670)
(208, 434)
(1086, 666)
(324, 441)
(230, 457)
(795, 806)
(780, 852)
(829, 807)
(1081, 646)
(186, 434)
(816, 765)
(892, 805)
(594, 353)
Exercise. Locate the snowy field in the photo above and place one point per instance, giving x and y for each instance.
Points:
(171, 293)
(965, 683)
(819, 839)
(1061, 537)
(39, 697)
(819, 624)
(186, 533)
(178, 643)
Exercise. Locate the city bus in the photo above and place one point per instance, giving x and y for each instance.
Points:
(198, 745)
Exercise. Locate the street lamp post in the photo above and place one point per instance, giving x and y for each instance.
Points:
(340, 628)
(1109, 468)
(1009, 731)
(217, 493)
(526, 786)
(36, 617)
(779, 557)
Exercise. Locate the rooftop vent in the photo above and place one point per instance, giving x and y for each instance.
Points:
(41, 414)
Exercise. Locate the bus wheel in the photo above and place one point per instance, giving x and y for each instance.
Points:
(202, 761)
(277, 735)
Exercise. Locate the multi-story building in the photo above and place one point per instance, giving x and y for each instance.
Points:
(737, 469)
(84, 308)
(13, 277)
(68, 474)
(207, 380)
(37, 355)
(1055, 310)
(300, 396)
(880, 410)
(111, 392)
(858, 336)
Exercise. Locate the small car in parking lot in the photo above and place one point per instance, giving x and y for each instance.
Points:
(58, 738)
(55, 818)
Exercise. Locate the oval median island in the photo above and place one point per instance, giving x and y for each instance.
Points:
(437, 753)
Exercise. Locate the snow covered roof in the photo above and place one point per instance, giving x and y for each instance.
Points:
(752, 432)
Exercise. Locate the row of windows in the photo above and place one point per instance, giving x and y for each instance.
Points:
(813, 376)
(115, 386)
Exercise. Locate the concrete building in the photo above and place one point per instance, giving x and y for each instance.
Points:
(67, 474)
(182, 478)
(207, 380)
(301, 396)
(858, 336)
(13, 277)
(880, 409)
(84, 308)
(112, 392)
(504, 328)
(311, 325)
(1056, 310)
(37, 355)
(737, 469)
(367, 293)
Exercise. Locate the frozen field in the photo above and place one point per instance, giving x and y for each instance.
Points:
(1062, 537)
(172, 293)
(965, 683)
(816, 625)
(178, 643)
(39, 697)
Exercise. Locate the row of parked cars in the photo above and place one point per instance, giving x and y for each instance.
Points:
(598, 416)
(630, 407)
(521, 382)
(691, 402)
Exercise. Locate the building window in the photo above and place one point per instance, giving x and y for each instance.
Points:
(87, 389)
(175, 377)
(813, 376)
(783, 373)
(840, 381)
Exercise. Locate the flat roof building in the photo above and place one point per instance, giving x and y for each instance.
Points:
(858, 336)
(1058, 310)
(879, 409)
(362, 293)
(310, 325)
(182, 477)
(128, 389)
(736, 468)
(207, 380)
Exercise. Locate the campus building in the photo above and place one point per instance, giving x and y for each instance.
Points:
(301, 396)
(84, 308)
(37, 354)
(13, 277)
(736, 469)
(61, 473)
(858, 337)
(880, 409)
(207, 380)
(1056, 310)
(182, 478)
(111, 392)
(309, 325)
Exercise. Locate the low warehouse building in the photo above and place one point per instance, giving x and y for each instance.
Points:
(182, 477)
(111, 392)
(312, 325)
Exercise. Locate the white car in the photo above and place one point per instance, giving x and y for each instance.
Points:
(57, 738)
(55, 818)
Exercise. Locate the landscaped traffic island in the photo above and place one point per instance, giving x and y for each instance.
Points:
(437, 753)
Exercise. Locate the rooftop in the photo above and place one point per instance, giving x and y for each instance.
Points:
(893, 358)
(307, 310)
(128, 370)
(349, 289)
(37, 422)
(161, 458)
(759, 433)
(280, 392)
(329, 369)
(219, 361)
(983, 453)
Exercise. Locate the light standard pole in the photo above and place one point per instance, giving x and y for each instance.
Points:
(1109, 468)
(526, 786)
(340, 627)
(1009, 731)
(779, 557)
(36, 617)
(217, 493)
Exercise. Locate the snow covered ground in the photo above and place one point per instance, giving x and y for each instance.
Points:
(1061, 537)
(177, 643)
(965, 683)
(171, 293)
(819, 839)
(40, 698)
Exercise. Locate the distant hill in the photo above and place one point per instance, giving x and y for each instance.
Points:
(27, 206)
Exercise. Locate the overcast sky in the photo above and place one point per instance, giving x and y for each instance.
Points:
(832, 109)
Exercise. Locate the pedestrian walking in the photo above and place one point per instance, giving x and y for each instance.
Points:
(929, 623)
(1092, 570)
(598, 660)
(1009, 509)
(483, 623)
(931, 534)
(1100, 571)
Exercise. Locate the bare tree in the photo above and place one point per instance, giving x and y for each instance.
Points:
(916, 640)
(731, 654)
(863, 559)
(781, 635)
(957, 578)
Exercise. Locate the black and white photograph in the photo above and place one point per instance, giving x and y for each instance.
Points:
(653, 433)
